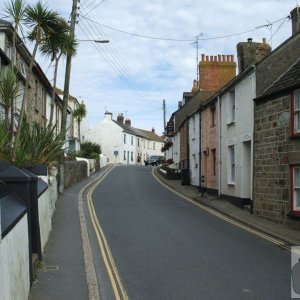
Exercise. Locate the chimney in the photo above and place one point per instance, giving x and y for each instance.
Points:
(108, 115)
(249, 53)
(179, 104)
(215, 71)
(128, 122)
(120, 118)
(295, 16)
(153, 130)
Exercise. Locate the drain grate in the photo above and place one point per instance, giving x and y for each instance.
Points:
(51, 268)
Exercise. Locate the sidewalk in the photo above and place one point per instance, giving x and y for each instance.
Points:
(278, 231)
(62, 275)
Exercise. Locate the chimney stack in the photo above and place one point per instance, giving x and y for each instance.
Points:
(128, 122)
(249, 53)
(153, 130)
(120, 118)
(108, 115)
(295, 17)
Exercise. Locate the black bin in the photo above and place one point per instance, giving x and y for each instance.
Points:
(185, 176)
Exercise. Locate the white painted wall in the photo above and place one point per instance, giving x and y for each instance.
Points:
(103, 161)
(14, 263)
(2, 40)
(47, 203)
(130, 149)
(237, 133)
(194, 142)
(110, 136)
(176, 148)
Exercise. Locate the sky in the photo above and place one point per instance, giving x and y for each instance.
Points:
(152, 52)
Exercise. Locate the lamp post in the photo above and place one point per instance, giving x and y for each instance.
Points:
(95, 41)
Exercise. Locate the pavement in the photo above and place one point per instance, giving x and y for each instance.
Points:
(63, 271)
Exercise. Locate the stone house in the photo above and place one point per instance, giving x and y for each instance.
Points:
(40, 94)
(276, 186)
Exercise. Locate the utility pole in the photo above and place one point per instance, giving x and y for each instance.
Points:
(66, 97)
(164, 112)
(197, 57)
(68, 72)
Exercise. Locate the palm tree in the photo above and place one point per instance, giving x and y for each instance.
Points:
(59, 43)
(9, 90)
(42, 22)
(14, 11)
(79, 114)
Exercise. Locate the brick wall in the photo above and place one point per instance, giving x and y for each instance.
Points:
(274, 150)
(216, 71)
(209, 141)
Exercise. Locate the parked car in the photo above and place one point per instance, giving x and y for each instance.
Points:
(154, 160)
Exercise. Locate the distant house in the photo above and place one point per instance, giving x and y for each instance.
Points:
(276, 185)
(122, 143)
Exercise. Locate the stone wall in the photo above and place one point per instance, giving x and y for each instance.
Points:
(75, 171)
(274, 150)
(184, 140)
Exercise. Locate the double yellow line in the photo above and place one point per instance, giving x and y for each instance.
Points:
(229, 220)
(116, 283)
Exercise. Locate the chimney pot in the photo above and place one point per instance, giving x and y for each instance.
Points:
(264, 41)
(219, 57)
(249, 40)
(223, 57)
(207, 58)
(228, 57)
(211, 58)
(203, 57)
(215, 58)
(153, 130)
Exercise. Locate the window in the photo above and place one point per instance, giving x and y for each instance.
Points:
(36, 92)
(213, 154)
(44, 103)
(124, 155)
(153, 146)
(295, 119)
(131, 156)
(231, 165)
(138, 142)
(295, 189)
(124, 138)
(132, 140)
(231, 107)
(213, 115)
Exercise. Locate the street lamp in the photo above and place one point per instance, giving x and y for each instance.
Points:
(95, 41)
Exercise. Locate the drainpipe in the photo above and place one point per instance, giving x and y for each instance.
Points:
(220, 148)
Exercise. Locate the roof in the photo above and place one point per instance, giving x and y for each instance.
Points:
(139, 132)
(287, 81)
(189, 108)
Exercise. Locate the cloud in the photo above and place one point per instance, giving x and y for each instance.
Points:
(134, 74)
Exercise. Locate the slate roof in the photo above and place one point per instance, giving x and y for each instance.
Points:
(139, 132)
(287, 81)
(189, 108)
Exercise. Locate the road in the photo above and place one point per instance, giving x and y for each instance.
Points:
(156, 245)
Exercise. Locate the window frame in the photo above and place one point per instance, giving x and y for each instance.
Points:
(124, 138)
(294, 210)
(231, 165)
(294, 131)
(231, 107)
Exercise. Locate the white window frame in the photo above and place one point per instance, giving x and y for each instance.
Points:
(296, 111)
(231, 164)
(296, 189)
(124, 138)
(231, 107)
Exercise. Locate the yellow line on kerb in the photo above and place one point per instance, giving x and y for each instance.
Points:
(227, 219)
(108, 260)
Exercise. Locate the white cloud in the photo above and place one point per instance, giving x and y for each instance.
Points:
(155, 69)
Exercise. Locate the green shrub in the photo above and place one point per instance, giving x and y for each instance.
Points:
(90, 150)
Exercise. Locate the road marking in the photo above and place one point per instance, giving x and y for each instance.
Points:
(227, 219)
(108, 260)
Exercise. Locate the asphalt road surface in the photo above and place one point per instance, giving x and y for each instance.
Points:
(167, 248)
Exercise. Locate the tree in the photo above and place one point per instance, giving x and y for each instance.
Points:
(9, 90)
(42, 22)
(58, 43)
(79, 114)
(14, 11)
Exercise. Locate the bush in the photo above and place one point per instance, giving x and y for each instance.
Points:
(90, 150)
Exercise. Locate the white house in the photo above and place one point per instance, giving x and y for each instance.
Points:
(236, 137)
(122, 143)
(194, 148)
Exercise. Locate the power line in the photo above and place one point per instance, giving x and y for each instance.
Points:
(181, 40)
(117, 61)
(94, 7)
